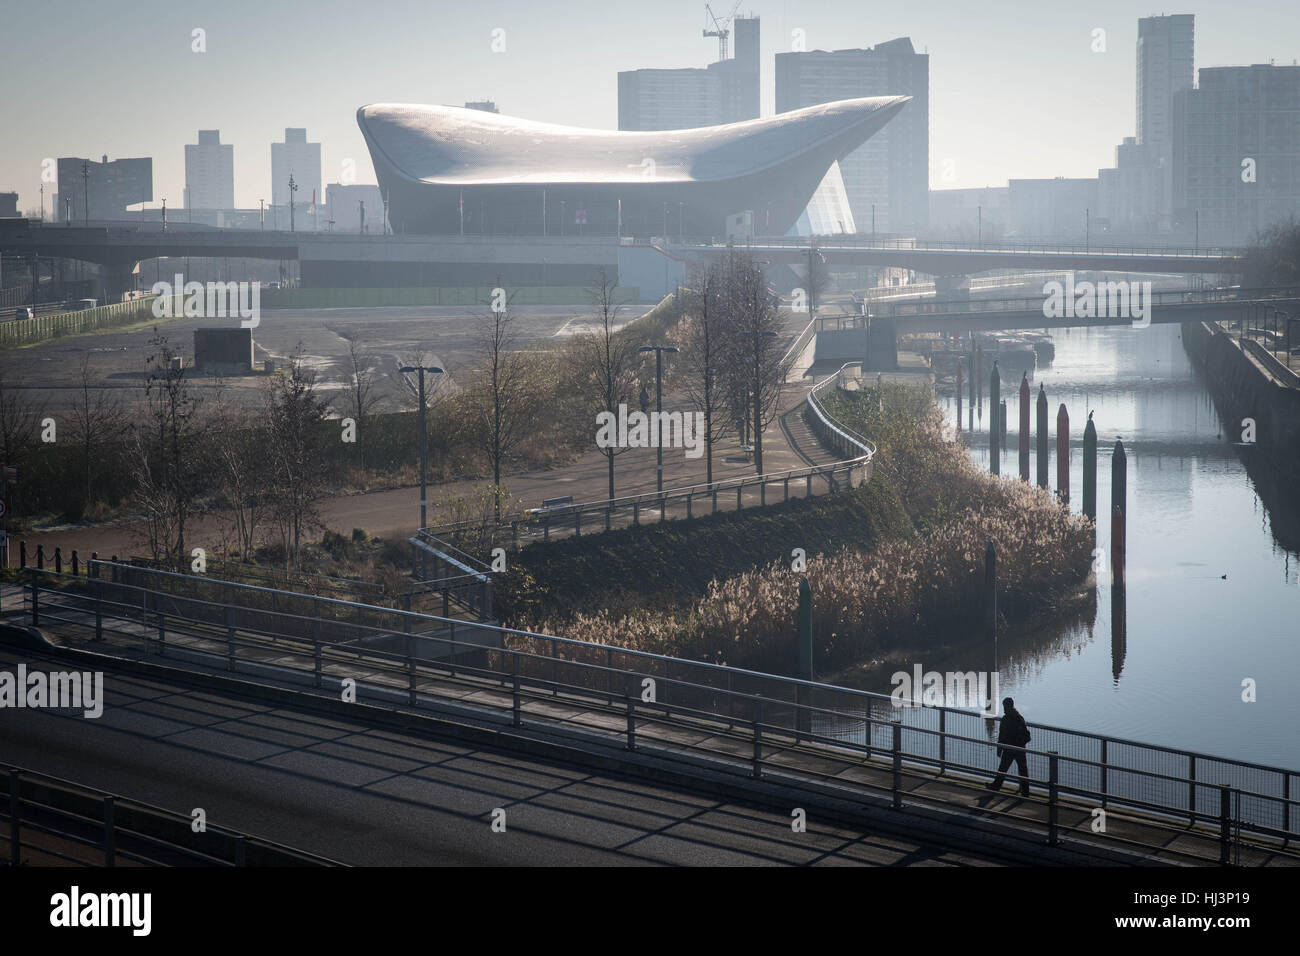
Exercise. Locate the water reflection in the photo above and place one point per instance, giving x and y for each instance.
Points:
(1211, 594)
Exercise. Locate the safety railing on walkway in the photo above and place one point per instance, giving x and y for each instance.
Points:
(515, 528)
(48, 819)
(518, 528)
(832, 433)
(444, 571)
(704, 715)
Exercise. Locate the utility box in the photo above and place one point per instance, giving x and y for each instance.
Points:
(223, 351)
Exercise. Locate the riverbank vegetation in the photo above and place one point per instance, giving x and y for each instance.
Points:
(896, 565)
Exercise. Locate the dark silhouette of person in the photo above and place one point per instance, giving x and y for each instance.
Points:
(1012, 733)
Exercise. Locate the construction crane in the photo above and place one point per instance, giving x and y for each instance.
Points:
(721, 28)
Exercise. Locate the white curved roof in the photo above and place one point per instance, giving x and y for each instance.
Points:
(451, 145)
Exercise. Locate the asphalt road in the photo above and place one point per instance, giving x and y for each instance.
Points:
(374, 797)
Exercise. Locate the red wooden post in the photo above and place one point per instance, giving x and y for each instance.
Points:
(1063, 454)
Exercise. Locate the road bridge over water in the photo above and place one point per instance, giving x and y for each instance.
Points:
(342, 259)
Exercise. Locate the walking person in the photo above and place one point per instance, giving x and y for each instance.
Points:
(1012, 734)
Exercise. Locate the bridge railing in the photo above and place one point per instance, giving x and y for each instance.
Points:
(740, 721)
(992, 246)
(601, 515)
(44, 814)
(444, 571)
(1032, 303)
(511, 529)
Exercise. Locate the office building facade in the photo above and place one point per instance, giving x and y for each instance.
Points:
(300, 159)
(723, 92)
(209, 172)
(1236, 152)
(886, 179)
(103, 190)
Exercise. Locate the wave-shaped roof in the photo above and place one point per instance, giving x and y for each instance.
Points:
(450, 145)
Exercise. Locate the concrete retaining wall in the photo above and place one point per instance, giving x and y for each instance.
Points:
(1248, 383)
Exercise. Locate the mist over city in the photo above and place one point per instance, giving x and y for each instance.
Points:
(589, 435)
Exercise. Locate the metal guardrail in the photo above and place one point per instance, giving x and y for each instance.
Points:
(460, 579)
(1013, 246)
(50, 324)
(729, 719)
(1034, 303)
(800, 343)
(604, 514)
(831, 432)
(63, 815)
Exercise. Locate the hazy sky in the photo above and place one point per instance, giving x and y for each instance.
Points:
(1015, 90)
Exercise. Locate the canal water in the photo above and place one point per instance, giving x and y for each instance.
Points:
(1213, 583)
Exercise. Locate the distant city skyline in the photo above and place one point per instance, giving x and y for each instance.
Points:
(1016, 89)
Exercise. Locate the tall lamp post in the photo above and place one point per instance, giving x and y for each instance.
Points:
(424, 436)
(659, 351)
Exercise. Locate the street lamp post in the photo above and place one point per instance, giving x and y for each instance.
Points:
(659, 351)
(424, 437)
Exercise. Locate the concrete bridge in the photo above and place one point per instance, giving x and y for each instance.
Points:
(963, 259)
(338, 259)
(840, 338)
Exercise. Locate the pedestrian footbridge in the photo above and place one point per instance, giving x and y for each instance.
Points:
(775, 739)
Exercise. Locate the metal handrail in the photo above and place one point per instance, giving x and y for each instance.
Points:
(111, 829)
(1035, 303)
(862, 452)
(960, 245)
(609, 685)
(867, 448)
(798, 687)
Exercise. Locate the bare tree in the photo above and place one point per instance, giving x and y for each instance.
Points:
(167, 451)
(604, 368)
(755, 346)
(296, 457)
(98, 424)
(359, 397)
(704, 351)
(20, 418)
(240, 458)
(501, 398)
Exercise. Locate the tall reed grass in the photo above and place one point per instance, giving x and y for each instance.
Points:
(908, 591)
